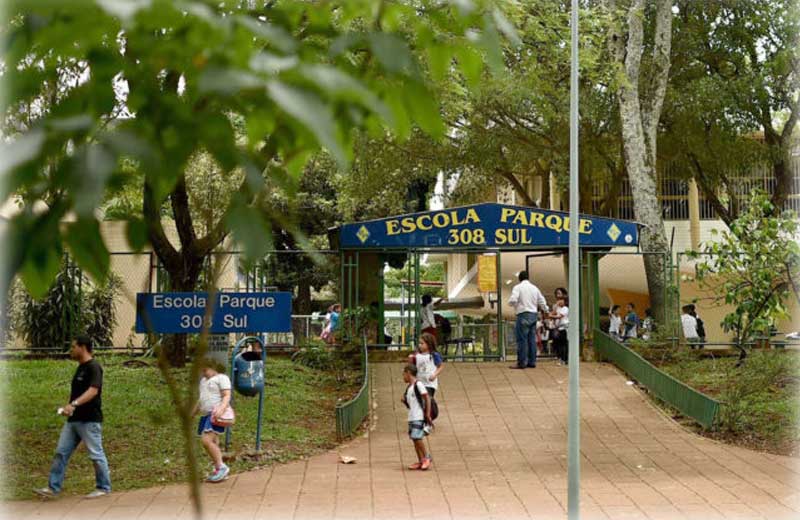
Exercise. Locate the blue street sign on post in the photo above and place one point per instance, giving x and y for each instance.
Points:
(184, 312)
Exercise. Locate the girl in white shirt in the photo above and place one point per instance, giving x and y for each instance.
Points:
(214, 398)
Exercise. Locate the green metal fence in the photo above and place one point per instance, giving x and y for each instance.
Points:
(351, 414)
(689, 401)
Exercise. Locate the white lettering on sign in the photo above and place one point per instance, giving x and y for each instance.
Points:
(246, 302)
(165, 301)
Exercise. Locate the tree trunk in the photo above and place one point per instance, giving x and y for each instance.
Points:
(184, 280)
(783, 180)
(302, 306)
(185, 266)
(640, 115)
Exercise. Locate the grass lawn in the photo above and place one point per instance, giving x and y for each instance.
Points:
(759, 399)
(140, 431)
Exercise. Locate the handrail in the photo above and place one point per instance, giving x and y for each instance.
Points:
(350, 414)
(678, 394)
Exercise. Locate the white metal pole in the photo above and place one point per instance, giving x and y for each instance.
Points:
(573, 331)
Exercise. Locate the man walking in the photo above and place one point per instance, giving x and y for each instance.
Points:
(526, 299)
(84, 423)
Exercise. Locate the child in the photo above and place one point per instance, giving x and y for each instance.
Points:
(560, 317)
(428, 362)
(631, 322)
(418, 415)
(616, 323)
(215, 396)
(648, 325)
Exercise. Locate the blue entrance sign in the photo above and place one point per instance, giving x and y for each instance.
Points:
(486, 225)
(179, 312)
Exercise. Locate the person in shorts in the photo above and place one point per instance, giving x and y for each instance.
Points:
(419, 414)
(214, 398)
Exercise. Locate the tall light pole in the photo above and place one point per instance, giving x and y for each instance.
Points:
(573, 332)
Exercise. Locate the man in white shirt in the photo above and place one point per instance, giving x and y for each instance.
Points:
(526, 299)
(689, 325)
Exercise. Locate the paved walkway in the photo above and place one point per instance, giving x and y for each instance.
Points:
(499, 452)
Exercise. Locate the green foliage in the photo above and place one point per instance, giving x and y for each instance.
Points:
(753, 267)
(733, 81)
(94, 88)
(317, 357)
(395, 278)
(354, 324)
(748, 397)
(51, 322)
(99, 311)
(758, 399)
(73, 305)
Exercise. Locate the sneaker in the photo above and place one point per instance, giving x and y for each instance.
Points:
(45, 492)
(97, 493)
(219, 475)
(426, 463)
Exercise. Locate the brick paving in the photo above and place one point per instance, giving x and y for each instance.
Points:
(499, 453)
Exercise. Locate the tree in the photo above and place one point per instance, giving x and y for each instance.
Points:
(162, 81)
(735, 78)
(754, 267)
(298, 77)
(640, 91)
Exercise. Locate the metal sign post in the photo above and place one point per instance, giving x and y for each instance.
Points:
(573, 331)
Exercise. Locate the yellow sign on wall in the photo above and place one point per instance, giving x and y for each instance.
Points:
(487, 273)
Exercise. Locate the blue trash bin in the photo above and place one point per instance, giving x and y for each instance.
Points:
(248, 373)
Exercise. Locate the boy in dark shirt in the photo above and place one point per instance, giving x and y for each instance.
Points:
(84, 423)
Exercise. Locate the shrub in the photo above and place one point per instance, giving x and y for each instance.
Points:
(99, 312)
(748, 393)
(73, 305)
(317, 357)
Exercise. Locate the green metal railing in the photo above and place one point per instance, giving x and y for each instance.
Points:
(686, 399)
(351, 414)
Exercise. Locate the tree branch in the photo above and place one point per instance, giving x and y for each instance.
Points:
(182, 214)
(709, 192)
(155, 231)
(518, 187)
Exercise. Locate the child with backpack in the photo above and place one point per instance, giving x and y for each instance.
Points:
(418, 401)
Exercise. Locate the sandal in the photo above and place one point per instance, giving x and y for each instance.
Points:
(416, 465)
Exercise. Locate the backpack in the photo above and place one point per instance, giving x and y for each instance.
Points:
(434, 405)
(701, 330)
(443, 324)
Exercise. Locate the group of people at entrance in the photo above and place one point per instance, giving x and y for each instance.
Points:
(530, 305)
